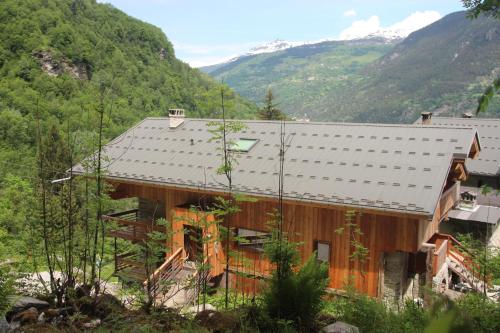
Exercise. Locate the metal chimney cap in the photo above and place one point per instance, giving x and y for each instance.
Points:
(176, 113)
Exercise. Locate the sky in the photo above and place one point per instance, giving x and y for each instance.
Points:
(206, 32)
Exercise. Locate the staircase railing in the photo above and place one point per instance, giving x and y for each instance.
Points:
(166, 272)
(456, 251)
(199, 279)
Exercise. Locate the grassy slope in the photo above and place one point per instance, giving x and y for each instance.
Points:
(301, 76)
(440, 68)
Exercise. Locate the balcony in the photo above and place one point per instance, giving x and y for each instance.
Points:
(449, 199)
(130, 227)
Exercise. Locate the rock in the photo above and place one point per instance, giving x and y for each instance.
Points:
(92, 324)
(340, 327)
(83, 290)
(51, 313)
(26, 317)
(106, 304)
(23, 303)
(216, 321)
(4, 325)
(196, 309)
(163, 53)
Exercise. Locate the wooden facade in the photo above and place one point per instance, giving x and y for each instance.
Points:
(307, 223)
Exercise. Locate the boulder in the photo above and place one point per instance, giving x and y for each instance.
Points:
(26, 317)
(22, 303)
(340, 327)
(4, 325)
(195, 309)
(92, 324)
(216, 321)
(106, 304)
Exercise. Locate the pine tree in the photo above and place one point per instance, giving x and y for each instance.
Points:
(270, 110)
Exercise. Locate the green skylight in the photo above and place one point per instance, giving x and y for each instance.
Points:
(243, 145)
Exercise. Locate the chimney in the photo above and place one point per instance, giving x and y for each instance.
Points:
(466, 115)
(426, 118)
(176, 117)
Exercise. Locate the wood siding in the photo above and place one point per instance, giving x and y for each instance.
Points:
(307, 223)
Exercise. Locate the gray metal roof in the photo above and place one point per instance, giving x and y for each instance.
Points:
(484, 214)
(386, 167)
(488, 162)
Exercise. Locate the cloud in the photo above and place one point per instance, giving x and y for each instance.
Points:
(361, 28)
(207, 61)
(199, 55)
(416, 21)
(413, 22)
(349, 13)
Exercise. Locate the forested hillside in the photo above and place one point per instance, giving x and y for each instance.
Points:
(442, 68)
(61, 58)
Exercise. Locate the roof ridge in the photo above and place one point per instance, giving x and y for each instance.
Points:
(467, 119)
(325, 123)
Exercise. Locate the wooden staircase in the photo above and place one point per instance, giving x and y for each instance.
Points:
(176, 283)
(451, 252)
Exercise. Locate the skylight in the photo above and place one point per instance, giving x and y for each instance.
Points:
(243, 145)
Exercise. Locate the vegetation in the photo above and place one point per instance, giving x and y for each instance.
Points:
(443, 68)
(56, 55)
(74, 74)
(487, 7)
(270, 110)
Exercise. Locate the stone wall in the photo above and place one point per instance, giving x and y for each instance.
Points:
(395, 278)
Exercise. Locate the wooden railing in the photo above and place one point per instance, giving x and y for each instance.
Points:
(126, 266)
(199, 279)
(449, 199)
(440, 256)
(129, 227)
(166, 272)
(456, 251)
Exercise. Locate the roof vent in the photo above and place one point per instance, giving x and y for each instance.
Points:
(176, 117)
(466, 115)
(426, 118)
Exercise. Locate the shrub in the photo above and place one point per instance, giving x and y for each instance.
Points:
(6, 290)
(297, 297)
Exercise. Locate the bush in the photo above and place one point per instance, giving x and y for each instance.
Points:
(297, 297)
(6, 290)
(481, 313)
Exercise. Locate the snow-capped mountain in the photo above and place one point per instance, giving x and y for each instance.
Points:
(280, 45)
(274, 46)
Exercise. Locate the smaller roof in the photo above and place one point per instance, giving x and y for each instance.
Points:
(484, 214)
(488, 129)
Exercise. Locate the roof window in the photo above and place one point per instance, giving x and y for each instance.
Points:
(243, 145)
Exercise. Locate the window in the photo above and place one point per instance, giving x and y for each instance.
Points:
(243, 145)
(323, 251)
(252, 239)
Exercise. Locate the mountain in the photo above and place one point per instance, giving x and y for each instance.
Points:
(442, 68)
(57, 56)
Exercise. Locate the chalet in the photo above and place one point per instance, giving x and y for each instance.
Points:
(400, 180)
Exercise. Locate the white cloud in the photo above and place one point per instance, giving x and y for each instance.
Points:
(207, 61)
(416, 21)
(361, 28)
(199, 55)
(413, 22)
(349, 13)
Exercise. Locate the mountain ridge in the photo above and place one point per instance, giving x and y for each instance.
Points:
(366, 80)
